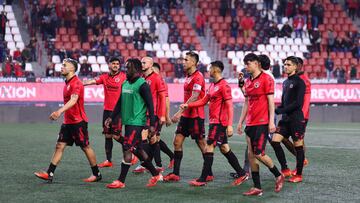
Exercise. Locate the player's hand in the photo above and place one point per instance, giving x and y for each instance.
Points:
(272, 127)
(152, 131)
(241, 79)
(162, 120)
(176, 118)
(229, 131)
(168, 121)
(239, 129)
(54, 115)
(184, 106)
(108, 122)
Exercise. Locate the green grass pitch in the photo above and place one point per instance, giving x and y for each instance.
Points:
(332, 175)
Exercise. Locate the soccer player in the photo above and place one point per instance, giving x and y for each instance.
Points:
(292, 122)
(75, 124)
(306, 111)
(191, 120)
(163, 146)
(157, 87)
(258, 110)
(220, 119)
(112, 82)
(135, 100)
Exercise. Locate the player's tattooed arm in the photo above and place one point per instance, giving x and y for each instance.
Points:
(89, 82)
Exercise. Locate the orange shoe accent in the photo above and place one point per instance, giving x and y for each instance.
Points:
(279, 183)
(134, 159)
(286, 172)
(240, 180)
(253, 192)
(295, 179)
(44, 176)
(93, 179)
(116, 184)
(106, 163)
(210, 178)
(171, 164)
(153, 180)
(171, 178)
(293, 172)
(197, 183)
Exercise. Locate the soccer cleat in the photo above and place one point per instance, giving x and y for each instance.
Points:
(306, 162)
(116, 184)
(106, 163)
(134, 159)
(253, 192)
(93, 178)
(240, 180)
(293, 172)
(171, 178)
(279, 183)
(44, 175)
(197, 183)
(139, 169)
(153, 180)
(171, 164)
(286, 172)
(210, 178)
(159, 169)
(296, 179)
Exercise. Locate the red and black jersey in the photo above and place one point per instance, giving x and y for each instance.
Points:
(194, 82)
(76, 113)
(256, 90)
(219, 93)
(112, 88)
(307, 96)
(157, 87)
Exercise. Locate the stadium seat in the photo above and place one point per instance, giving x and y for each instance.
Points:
(240, 54)
(231, 54)
(160, 54)
(169, 54)
(121, 25)
(95, 68)
(13, 23)
(28, 67)
(286, 48)
(129, 25)
(261, 47)
(277, 48)
(104, 68)
(148, 46)
(144, 18)
(81, 59)
(10, 16)
(9, 38)
(289, 41)
(118, 18)
(281, 41)
(298, 41)
(55, 59)
(15, 30)
(124, 32)
(11, 45)
(101, 60)
(273, 40)
(127, 18)
(157, 47)
(92, 59)
(174, 47)
(269, 48)
(165, 47)
(177, 54)
(57, 67)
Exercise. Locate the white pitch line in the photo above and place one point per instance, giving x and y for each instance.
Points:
(312, 146)
(339, 129)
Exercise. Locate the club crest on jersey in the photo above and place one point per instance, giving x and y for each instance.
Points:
(216, 89)
(257, 85)
(291, 85)
(117, 79)
(148, 82)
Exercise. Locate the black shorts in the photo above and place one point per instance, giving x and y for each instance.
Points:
(116, 126)
(157, 125)
(217, 135)
(258, 136)
(78, 133)
(191, 126)
(132, 137)
(291, 128)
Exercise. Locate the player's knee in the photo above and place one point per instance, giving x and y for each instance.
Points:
(60, 146)
(224, 148)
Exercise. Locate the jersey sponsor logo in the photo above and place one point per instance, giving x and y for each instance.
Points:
(257, 85)
(129, 91)
(197, 87)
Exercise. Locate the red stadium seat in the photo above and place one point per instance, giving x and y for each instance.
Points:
(76, 45)
(68, 45)
(74, 38)
(86, 46)
(62, 31)
(121, 46)
(71, 31)
(112, 46)
(118, 39)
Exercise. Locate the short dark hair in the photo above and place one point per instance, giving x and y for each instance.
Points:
(264, 61)
(136, 63)
(218, 64)
(293, 59)
(112, 59)
(193, 55)
(73, 62)
(157, 65)
(301, 61)
(251, 57)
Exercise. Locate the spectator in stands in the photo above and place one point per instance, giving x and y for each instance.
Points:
(137, 9)
(145, 37)
(353, 6)
(280, 11)
(7, 68)
(152, 26)
(95, 23)
(341, 76)
(290, 9)
(32, 48)
(247, 24)
(224, 6)
(104, 44)
(286, 30)
(17, 55)
(268, 4)
(331, 41)
(276, 70)
(106, 5)
(50, 71)
(53, 25)
(315, 39)
(85, 68)
(273, 30)
(116, 4)
(202, 68)
(128, 7)
(353, 72)
(200, 24)
(179, 68)
(346, 44)
(356, 50)
(298, 25)
(3, 20)
(2, 51)
(94, 44)
(104, 21)
(18, 69)
(329, 66)
(26, 55)
(234, 28)
(68, 17)
(317, 13)
(163, 32)
(136, 38)
(82, 25)
(233, 8)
